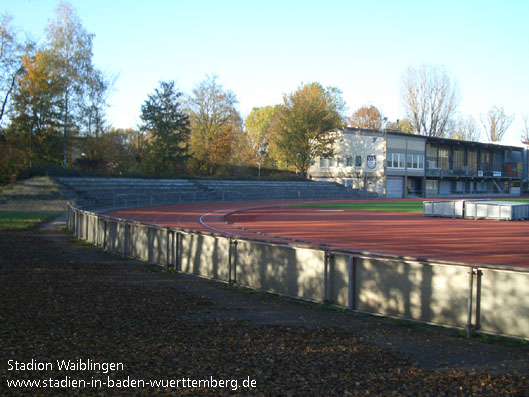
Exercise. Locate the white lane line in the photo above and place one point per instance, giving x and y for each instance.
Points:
(201, 220)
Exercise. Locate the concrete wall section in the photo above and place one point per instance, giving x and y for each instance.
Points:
(285, 270)
(505, 302)
(148, 243)
(423, 292)
(340, 275)
(91, 228)
(115, 236)
(205, 256)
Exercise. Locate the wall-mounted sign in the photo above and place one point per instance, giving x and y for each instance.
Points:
(496, 173)
(371, 161)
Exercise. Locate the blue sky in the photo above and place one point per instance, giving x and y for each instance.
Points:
(261, 50)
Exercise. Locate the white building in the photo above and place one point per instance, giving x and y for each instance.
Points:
(395, 165)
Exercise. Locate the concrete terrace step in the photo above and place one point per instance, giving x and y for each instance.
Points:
(123, 192)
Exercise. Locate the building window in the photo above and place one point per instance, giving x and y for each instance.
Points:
(349, 161)
(324, 163)
(415, 161)
(472, 161)
(358, 161)
(395, 160)
(339, 162)
(443, 162)
(485, 163)
(459, 159)
(432, 186)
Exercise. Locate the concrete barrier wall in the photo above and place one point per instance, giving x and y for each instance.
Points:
(115, 236)
(423, 292)
(286, 270)
(341, 279)
(504, 303)
(492, 300)
(148, 243)
(92, 228)
(205, 256)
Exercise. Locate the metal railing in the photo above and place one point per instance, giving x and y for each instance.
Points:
(481, 173)
(128, 200)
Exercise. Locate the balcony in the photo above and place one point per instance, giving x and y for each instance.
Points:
(511, 170)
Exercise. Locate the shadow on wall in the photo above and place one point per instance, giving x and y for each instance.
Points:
(205, 256)
(413, 290)
(280, 269)
(505, 302)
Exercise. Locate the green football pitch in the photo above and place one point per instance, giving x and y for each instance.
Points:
(414, 206)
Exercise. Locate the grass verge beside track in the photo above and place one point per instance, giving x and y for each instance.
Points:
(411, 206)
(20, 220)
(397, 206)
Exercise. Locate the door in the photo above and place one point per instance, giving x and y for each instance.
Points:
(394, 186)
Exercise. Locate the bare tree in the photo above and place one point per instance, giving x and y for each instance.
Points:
(525, 130)
(464, 128)
(11, 52)
(496, 122)
(430, 98)
(366, 117)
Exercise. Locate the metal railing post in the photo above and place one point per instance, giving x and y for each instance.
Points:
(352, 273)
(105, 234)
(479, 274)
(168, 248)
(234, 255)
(327, 257)
(178, 251)
(124, 239)
(469, 305)
(229, 263)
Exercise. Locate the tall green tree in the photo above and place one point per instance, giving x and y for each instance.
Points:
(214, 123)
(70, 49)
(167, 127)
(306, 122)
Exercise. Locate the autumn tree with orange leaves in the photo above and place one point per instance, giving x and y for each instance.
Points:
(214, 122)
(368, 117)
(35, 110)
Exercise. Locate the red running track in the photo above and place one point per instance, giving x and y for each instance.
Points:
(460, 240)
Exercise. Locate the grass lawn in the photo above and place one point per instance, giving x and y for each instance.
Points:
(395, 206)
(17, 220)
(398, 206)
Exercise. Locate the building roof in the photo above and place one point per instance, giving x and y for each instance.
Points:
(433, 139)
